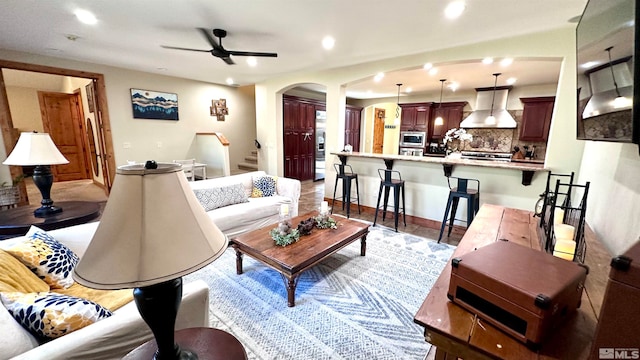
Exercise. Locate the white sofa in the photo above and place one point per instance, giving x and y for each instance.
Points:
(257, 212)
(109, 338)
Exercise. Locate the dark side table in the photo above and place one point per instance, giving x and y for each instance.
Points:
(17, 221)
(208, 343)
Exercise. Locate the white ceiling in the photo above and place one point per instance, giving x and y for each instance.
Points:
(129, 34)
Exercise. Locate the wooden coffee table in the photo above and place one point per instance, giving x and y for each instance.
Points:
(291, 260)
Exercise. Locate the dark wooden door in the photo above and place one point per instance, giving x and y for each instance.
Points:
(352, 126)
(61, 118)
(299, 138)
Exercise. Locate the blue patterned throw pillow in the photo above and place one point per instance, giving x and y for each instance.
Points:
(51, 315)
(217, 197)
(51, 260)
(264, 186)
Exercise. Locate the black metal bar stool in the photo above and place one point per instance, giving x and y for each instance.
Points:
(391, 179)
(461, 190)
(346, 176)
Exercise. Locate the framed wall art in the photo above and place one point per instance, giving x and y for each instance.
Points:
(154, 105)
(219, 109)
(90, 96)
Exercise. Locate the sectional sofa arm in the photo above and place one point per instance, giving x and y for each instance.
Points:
(114, 337)
(290, 188)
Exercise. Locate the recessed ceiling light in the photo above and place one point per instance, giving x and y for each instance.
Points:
(408, 90)
(85, 17)
(589, 64)
(229, 81)
(427, 66)
(162, 68)
(511, 80)
(328, 42)
(454, 9)
(487, 60)
(453, 86)
(252, 61)
(433, 71)
(506, 61)
(72, 37)
(378, 77)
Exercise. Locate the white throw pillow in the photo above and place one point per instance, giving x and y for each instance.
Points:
(15, 339)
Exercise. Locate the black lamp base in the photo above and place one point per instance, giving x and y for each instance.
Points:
(43, 179)
(158, 305)
(45, 211)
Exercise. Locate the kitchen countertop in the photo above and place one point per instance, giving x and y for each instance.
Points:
(523, 165)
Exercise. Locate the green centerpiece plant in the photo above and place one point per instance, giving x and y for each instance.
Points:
(284, 234)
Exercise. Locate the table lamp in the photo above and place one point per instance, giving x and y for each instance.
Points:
(38, 149)
(153, 231)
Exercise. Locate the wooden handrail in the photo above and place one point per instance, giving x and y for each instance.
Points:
(223, 139)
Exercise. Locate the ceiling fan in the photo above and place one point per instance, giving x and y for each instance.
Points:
(219, 51)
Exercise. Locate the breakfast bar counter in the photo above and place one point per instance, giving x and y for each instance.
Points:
(527, 167)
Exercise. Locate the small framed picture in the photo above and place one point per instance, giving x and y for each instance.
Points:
(90, 96)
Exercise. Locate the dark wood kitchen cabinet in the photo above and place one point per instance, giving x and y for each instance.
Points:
(415, 116)
(536, 118)
(352, 126)
(451, 113)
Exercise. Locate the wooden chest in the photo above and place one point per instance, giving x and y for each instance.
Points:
(522, 291)
(618, 329)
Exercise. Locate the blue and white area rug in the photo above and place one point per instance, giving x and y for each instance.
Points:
(347, 307)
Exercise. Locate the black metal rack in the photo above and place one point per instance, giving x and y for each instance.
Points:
(547, 195)
(573, 215)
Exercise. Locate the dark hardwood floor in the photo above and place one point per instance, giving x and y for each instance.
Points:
(312, 195)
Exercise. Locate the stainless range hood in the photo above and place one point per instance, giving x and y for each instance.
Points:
(605, 91)
(477, 119)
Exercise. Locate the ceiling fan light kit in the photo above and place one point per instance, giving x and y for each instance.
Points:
(218, 50)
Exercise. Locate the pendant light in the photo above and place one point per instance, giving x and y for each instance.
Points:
(439, 120)
(491, 120)
(397, 120)
(620, 101)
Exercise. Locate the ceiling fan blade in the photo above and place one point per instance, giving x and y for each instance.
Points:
(251, 53)
(228, 60)
(209, 35)
(181, 48)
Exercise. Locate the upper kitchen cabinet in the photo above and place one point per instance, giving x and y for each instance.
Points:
(536, 118)
(415, 116)
(451, 113)
(352, 126)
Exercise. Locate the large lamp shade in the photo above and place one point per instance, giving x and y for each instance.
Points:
(153, 231)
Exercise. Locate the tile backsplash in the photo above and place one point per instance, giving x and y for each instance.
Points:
(502, 140)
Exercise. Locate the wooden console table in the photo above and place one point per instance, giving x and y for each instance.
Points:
(17, 221)
(457, 333)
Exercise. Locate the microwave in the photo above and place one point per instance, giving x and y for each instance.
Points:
(413, 138)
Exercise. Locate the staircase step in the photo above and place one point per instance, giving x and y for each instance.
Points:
(239, 171)
(251, 159)
(247, 166)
